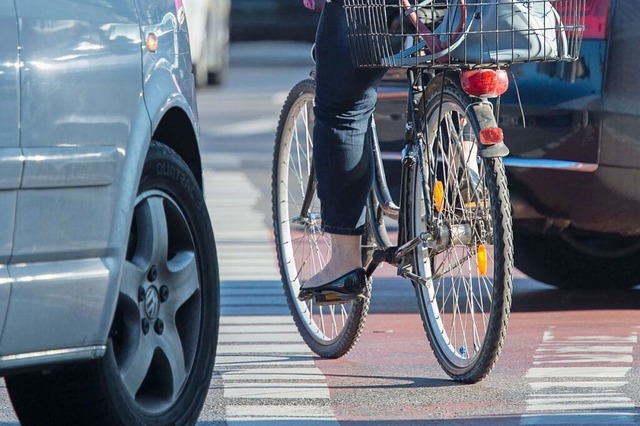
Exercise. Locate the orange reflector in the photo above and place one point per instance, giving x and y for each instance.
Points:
(152, 42)
(482, 260)
(438, 196)
(491, 136)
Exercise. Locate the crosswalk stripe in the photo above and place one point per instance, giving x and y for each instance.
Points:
(264, 348)
(304, 411)
(270, 337)
(224, 362)
(252, 328)
(292, 390)
(563, 380)
(260, 356)
(272, 373)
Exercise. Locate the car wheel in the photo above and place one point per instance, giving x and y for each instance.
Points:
(568, 262)
(216, 78)
(160, 353)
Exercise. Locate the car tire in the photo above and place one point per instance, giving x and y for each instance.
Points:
(579, 263)
(216, 78)
(160, 377)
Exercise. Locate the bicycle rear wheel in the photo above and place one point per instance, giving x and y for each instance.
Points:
(461, 200)
(303, 249)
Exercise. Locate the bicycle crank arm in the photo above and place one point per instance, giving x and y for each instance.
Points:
(380, 256)
(390, 255)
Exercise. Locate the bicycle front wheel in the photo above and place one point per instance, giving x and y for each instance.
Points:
(303, 249)
(465, 267)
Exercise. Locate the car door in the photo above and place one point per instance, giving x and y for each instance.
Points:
(10, 165)
(80, 100)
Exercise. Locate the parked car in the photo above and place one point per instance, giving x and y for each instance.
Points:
(208, 22)
(272, 20)
(109, 286)
(574, 170)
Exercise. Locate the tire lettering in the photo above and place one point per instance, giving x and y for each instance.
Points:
(171, 171)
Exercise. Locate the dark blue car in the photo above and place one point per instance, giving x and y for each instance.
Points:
(574, 170)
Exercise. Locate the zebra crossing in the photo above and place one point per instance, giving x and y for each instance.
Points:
(267, 372)
(566, 386)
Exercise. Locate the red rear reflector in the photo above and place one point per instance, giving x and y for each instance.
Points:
(491, 136)
(485, 83)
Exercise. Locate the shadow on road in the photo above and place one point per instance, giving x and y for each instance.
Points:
(396, 295)
(545, 298)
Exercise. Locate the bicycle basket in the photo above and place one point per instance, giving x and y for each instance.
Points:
(463, 33)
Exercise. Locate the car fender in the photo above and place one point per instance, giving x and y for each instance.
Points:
(169, 91)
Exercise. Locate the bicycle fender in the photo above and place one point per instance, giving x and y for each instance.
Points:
(448, 78)
(483, 112)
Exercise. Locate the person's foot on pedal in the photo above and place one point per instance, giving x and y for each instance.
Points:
(345, 288)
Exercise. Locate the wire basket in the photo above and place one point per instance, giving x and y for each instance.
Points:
(463, 33)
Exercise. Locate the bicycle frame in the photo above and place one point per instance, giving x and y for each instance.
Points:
(381, 204)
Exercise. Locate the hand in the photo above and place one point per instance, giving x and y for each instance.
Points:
(315, 5)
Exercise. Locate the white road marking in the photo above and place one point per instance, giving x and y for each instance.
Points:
(609, 419)
(261, 355)
(584, 372)
(591, 377)
(275, 412)
(279, 390)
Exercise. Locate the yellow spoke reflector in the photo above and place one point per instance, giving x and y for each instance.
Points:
(438, 196)
(482, 260)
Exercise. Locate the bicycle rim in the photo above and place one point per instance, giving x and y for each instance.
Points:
(302, 247)
(465, 298)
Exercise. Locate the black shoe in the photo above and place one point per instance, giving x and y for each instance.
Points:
(346, 288)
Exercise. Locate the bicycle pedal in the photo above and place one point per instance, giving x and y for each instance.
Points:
(336, 298)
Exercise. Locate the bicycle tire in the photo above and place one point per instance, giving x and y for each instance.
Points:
(302, 249)
(465, 294)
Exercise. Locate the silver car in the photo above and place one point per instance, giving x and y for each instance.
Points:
(109, 287)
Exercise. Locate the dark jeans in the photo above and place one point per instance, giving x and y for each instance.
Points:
(345, 100)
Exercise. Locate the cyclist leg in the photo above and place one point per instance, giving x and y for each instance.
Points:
(345, 100)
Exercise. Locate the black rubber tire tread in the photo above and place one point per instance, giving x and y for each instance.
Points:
(553, 260)
(358, 313)
(503, 267)
(91, 393)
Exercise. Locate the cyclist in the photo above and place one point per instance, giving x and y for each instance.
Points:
(345, 100)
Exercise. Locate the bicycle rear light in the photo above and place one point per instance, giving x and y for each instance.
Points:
(485, 83)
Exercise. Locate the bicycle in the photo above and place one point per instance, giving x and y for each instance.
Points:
(454, 230)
